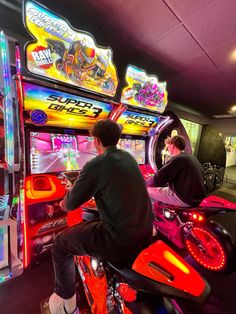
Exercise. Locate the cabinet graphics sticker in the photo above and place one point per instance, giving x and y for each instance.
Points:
(144, 91)
(64, 54)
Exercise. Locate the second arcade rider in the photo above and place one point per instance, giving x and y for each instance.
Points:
(125, 227)
(180, 181)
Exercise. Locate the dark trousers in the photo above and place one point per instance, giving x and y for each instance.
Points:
(87, 238)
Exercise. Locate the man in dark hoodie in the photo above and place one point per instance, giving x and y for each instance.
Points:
(180, 181)
(125, 227)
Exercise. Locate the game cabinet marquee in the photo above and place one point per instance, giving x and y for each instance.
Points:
(62, 53)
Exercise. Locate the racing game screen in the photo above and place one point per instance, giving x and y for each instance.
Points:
(135, 147)
(59, 152)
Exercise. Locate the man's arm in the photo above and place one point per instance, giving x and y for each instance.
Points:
(167, 173)
(82, 190)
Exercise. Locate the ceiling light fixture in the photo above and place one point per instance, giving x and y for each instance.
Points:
(233, 55)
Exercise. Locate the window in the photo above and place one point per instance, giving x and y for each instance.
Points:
(194, 132)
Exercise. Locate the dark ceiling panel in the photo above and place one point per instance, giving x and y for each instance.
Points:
(185, 9)
(214, 25)
(177, 48)
(11, 20)
(222, 56)
(146, 21)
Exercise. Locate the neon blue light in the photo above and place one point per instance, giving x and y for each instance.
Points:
(5, 277)
(8, 110)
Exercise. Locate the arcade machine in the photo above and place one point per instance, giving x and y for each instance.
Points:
(146, 99)
(53, 122)
(10, 263)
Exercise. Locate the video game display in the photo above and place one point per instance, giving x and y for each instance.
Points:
(59, 152)
(135, 147)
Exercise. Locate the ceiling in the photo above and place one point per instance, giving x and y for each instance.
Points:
(187, 43)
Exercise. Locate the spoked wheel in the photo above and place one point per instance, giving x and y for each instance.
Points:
(208, 249)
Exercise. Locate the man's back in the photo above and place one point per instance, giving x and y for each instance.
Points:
(184, 174)
(120, 193)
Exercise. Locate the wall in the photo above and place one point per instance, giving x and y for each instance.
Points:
(211, 147)
(225, 126)
(187, 113)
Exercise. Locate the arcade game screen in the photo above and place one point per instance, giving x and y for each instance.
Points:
(135, 147)
(59, 152)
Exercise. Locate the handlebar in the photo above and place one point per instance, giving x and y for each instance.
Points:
(69, 177)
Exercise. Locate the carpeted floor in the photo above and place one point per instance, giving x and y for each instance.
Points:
(23, 294)
(227, 191)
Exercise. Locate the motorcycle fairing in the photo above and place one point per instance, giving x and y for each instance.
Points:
(95, 287)
(218, 202)
(160, 263)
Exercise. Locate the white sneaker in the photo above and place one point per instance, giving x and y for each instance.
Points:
(56, 304)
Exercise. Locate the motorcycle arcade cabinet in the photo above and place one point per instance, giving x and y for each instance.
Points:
(146, 99)
(54, 120)
(10, 262)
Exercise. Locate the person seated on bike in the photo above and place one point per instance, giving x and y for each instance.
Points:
(180, 181)
(126, 219)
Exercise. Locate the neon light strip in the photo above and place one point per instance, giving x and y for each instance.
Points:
(23, 221)
(5, 277)
(22, 206)
(17, 55)
(152, 142)
(8, 110)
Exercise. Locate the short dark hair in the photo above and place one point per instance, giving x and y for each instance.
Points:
(107, 131)
(178, 141)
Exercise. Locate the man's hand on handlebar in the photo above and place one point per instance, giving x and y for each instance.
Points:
(62, 205)
(149, 181)
(68, 185)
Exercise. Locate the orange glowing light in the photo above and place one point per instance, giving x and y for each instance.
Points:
(175, 261)
(200, 218)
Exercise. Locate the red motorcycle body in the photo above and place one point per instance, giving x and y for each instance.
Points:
(203, 231)
(157, 271)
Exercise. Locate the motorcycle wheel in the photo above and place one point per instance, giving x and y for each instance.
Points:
(214, 250)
